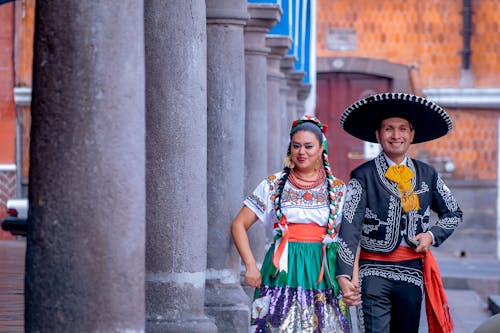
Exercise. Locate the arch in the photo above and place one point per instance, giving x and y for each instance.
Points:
(398, 73)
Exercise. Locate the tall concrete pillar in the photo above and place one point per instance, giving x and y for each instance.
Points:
(225, 299)
(288, 100)
(278, 46)
(85, 243)
(262, 18)
(295, 79)
(176, 178)
(302, 94)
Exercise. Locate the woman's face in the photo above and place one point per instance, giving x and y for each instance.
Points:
(305, 150)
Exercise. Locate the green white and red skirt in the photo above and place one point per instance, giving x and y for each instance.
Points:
(295, 301)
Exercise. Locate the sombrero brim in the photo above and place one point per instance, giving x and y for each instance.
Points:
(363, 117)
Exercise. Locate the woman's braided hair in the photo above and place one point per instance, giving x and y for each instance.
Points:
(334, 185)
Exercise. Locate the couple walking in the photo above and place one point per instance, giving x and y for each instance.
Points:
(365, 243)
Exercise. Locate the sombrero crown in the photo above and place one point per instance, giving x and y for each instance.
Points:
(363, 117)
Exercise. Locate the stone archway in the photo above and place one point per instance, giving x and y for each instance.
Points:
(399, 74)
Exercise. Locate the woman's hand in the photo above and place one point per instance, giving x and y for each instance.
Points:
(252, 276)
(351, 294)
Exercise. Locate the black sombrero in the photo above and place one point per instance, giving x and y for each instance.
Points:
(363, 117)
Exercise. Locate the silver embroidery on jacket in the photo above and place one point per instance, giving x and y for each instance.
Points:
(449, 222)
(353, 196)
(345, 255)
(423, 188)
(391, 225)
(448, 198)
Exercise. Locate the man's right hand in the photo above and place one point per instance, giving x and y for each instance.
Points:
(351, 293)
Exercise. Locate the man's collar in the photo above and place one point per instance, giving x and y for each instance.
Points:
(391, 162)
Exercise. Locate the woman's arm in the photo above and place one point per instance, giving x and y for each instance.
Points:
(241, 223)
(355, 272)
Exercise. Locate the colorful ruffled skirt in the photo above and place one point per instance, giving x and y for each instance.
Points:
(295, 302)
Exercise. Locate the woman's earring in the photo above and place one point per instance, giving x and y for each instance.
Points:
(289, 163)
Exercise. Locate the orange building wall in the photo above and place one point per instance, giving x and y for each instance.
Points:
(426, 35)
(7, 111)
(25, 28)
(473, 144)
(23, 55)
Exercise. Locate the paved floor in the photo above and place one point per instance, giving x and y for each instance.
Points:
(468, 282)
(468, 311)
(12, 286)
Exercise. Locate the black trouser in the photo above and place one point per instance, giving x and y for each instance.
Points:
(390, 302)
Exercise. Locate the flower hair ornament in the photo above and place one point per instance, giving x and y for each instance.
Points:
(336, 189)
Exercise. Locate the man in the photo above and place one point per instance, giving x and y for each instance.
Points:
(386, 217)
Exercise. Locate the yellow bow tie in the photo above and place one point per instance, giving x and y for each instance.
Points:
(402, 175)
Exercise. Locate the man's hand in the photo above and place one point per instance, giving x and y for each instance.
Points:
(350, 293)
(425, 242)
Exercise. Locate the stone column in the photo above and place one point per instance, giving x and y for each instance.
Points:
(295, 79)
(303, 92)
(85, 243)
(262, 18)
(225, 299)
(288, 102)
(279, 46)
(176, 179)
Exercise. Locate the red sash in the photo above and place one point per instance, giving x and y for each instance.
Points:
(311, 232)
(300, 232)
(436, 305)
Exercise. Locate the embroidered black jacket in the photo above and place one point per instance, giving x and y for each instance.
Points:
(373, 216)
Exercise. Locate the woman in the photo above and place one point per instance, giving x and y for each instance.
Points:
(296, 286)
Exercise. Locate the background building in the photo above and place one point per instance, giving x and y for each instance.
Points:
(443, 50)
(16, 56)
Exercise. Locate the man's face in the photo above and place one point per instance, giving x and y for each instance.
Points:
(395, 136)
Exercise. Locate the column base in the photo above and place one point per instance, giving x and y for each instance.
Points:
(185, 325)
(228, 305)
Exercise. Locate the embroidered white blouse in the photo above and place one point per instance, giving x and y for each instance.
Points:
(298, 205)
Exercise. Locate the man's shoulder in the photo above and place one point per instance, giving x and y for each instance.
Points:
(423, 165)
(364, 168)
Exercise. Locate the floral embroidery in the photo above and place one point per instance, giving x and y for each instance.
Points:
(313, 197)
(257, 202)
(260, 307)
(307, 196)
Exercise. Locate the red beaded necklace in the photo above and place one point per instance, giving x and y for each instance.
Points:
(305, 184)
